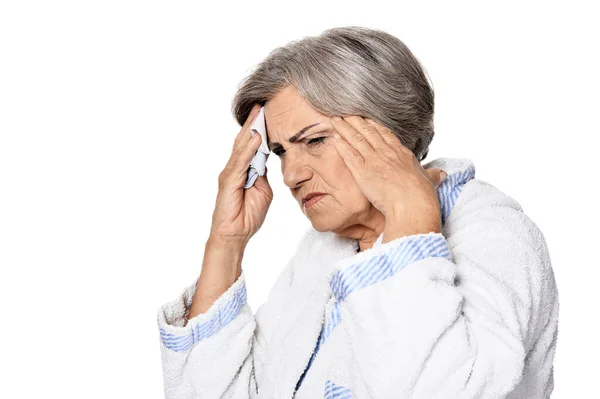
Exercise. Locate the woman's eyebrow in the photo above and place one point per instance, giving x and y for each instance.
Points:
(294, 138)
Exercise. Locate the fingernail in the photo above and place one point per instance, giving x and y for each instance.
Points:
(443, 175)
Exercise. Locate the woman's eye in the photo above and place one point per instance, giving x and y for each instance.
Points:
(316, 140)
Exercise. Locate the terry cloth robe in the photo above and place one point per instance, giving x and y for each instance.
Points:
(470, 312)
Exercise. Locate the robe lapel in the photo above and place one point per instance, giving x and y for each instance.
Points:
(295, 337)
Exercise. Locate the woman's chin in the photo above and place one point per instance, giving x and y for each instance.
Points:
(323, 223)
(322, 217)
(320, 227)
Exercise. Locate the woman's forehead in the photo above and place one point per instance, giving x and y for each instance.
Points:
(292, 129)
(287, 113)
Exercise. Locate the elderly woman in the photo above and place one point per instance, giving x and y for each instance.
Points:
(406, 285)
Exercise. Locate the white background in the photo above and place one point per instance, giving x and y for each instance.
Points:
(115, 122)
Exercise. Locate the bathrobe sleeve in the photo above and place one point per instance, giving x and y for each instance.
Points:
(426, 317)
(219, 353)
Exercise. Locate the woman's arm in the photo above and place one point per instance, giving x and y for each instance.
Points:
(429, 316)
(221, 267)
(221, 351)
(210, 314)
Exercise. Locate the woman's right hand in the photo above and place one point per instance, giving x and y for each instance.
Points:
(240, 213)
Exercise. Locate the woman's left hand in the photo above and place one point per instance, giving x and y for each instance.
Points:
(390, 176)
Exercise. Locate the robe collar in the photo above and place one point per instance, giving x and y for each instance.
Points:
(295, 336)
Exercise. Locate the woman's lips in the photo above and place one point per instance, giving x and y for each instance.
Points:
(313, 200)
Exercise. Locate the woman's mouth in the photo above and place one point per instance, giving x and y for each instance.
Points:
(312, 201)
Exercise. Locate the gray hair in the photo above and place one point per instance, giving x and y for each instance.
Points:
(349, 70)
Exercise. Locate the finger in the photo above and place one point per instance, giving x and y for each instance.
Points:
(368, 128)
(241, 159)
(386, 134)
(262, 184)
(253, 112)
(244, 134)
(352, 158)
(351, 136)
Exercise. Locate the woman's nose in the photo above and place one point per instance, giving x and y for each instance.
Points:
(295, 170)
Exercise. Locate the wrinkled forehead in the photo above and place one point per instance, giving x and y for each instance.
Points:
(283, 132)
(287, 113)
(282, 124)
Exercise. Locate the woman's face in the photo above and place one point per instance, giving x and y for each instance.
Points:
(312, 164)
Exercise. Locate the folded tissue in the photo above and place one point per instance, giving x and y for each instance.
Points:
(257, 166)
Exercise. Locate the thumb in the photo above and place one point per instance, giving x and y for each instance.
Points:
(262, 183)
(436, 176)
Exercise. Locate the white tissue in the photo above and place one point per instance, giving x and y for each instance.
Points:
(257, 166)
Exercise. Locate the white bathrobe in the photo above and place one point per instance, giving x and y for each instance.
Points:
(468, 313)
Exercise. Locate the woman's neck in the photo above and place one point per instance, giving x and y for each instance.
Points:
(367, 231)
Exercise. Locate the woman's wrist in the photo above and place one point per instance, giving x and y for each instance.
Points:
(395, 230)
(217, 243)
(222, 261)
(224, 253)
(221, 267)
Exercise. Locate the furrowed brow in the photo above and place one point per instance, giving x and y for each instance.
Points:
(294, 138)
